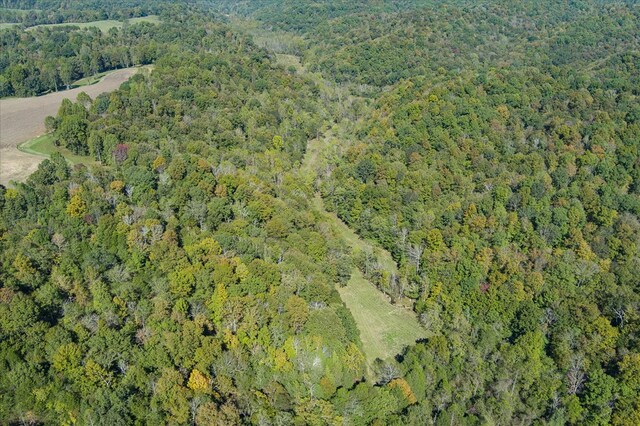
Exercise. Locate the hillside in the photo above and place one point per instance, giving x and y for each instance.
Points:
(325, 212)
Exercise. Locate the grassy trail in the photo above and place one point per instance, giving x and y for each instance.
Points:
(44, 146)
(385, 328)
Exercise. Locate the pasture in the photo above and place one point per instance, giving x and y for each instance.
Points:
(385, 328)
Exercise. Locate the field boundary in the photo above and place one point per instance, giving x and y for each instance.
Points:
(103, 25)
(22, 121)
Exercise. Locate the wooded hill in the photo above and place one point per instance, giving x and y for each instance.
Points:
(491, 148)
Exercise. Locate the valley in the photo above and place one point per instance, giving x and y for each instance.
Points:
(319, 212)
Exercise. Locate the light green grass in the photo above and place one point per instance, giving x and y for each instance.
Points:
(275, 41)
(105, 25)
(354, 241)
(5, 25)
(87, 81)
(152, 19)
(43, 146)
(385, 329)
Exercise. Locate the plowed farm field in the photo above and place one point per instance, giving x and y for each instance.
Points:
(22, 119)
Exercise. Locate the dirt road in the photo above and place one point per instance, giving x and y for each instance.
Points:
(22, 119)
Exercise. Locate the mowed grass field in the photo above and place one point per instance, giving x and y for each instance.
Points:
(44, 146)
(385, 329)
(105, 25)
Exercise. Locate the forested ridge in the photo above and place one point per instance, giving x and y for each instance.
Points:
(36, 12)
(52, 59)
(190, 277)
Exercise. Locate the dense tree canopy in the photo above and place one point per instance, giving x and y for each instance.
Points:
(52, 58)
(37, 12)
(188, 278)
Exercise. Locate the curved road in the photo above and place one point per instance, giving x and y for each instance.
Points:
(22, 119)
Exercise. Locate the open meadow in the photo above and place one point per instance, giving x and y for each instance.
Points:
(385, 329)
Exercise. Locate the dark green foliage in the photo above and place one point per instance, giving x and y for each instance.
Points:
(164, 274)
(36, 12)
(188, 279)
(47, 59)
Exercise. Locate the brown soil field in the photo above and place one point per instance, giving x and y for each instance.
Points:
(22, 119)
(16, 165)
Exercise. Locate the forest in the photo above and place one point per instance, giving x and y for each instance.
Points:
(52, 59)
(192, 274)
(30, 13)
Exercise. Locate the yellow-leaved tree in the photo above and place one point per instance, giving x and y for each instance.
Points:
(76, 206)
(198, 381)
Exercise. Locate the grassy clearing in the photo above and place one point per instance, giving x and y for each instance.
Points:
(105, 25)
(44, 146)
(353, 240)
(385, 329)
(5, 25)
(152, 19)
(93, 79)
(275, 41)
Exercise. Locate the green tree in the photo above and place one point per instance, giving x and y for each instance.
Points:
(73, 133)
